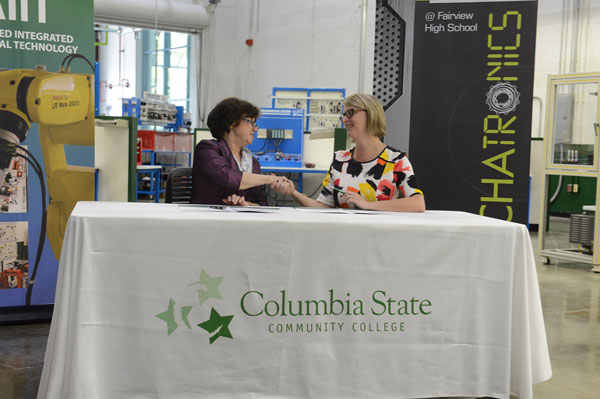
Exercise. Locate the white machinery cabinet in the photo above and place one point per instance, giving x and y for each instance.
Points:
(572, 137)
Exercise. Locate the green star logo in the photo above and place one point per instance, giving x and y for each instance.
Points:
(185, 311)
(217, 322)
(168, 316)
(211, 284)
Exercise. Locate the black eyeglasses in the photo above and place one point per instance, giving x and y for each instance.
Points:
(251, 122)
(348, 114)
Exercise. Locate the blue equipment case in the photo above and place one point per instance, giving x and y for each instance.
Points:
(269, 145)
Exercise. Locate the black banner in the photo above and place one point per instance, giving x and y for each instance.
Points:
(471, 106)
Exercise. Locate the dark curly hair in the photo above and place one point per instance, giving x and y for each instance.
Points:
(228, 114)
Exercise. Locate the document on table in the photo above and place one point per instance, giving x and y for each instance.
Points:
(353, 211)
(229, 208)
(275, 209)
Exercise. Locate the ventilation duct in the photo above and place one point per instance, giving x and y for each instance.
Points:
(167, 15)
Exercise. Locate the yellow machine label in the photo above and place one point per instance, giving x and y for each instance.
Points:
(59, 100)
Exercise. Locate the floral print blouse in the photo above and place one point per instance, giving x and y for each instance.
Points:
(389, 176)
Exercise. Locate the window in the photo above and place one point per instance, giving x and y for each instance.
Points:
(166, 65)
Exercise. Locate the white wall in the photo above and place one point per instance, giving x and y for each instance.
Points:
(296, 44)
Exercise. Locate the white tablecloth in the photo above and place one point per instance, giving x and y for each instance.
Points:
(169, 301)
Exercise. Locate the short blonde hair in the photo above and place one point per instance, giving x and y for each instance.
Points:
(375, 113)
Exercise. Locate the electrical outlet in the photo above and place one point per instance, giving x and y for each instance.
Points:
(575, 188)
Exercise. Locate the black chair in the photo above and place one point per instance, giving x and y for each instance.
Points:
(179, 186)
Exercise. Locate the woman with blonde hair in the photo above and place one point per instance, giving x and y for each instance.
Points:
(371, 175)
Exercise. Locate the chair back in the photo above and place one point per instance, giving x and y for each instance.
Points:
(179, 186)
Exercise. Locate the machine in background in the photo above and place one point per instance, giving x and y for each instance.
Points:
(165, 138)
(154, 109)
(62, 104)
(573, 152)
(279, 140)
(322, 107)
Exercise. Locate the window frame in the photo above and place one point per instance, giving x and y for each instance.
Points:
(149, 55)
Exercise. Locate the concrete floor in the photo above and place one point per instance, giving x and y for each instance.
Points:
(571, 303)
(22, 349)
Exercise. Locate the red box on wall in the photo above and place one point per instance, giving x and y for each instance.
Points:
(183, 142)
(163, 141)
(147, 137)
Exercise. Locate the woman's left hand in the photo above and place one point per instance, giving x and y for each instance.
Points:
(357, 200)
(235, 199)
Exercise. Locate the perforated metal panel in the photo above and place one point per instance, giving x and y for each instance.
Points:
(581, 229)
(388, 73)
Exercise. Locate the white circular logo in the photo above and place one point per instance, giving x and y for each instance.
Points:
(502, 98)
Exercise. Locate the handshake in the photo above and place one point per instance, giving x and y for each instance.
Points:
(282, 185)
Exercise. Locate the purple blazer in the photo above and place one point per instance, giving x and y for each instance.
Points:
(216, 175)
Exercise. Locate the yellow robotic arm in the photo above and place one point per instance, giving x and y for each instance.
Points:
(62, 104)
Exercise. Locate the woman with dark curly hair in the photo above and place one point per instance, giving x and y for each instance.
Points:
(224, 169)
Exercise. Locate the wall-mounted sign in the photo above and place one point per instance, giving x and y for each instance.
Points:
(38, 106)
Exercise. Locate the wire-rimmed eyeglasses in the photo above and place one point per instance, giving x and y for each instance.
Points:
(251, 122)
